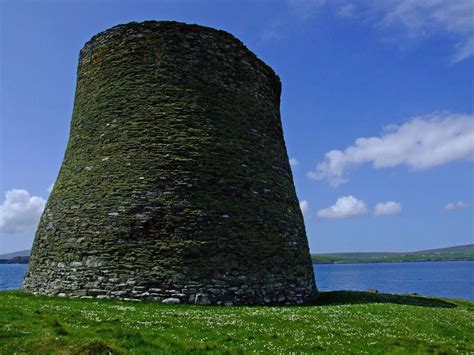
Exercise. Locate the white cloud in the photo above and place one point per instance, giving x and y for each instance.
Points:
(304, 206)
(464, 50)
(346, 10)
(299, 12)
(411, 19)
(294, 162)
(50, 187)
(387, 208)
(423, 18)
(304, 9)
(420, 143)
(20, 212)
(455, 205)
(347, 206)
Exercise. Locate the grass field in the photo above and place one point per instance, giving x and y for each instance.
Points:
(339, 322)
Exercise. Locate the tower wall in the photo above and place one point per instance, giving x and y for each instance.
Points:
(175, 182)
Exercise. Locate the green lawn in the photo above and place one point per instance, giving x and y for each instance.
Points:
(339, 322)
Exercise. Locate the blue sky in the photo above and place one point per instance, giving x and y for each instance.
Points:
(377, 108)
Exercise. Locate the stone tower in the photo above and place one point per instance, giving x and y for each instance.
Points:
(175, 184)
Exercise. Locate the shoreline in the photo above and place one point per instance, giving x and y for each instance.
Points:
(385, 261)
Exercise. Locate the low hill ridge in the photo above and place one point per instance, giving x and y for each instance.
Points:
(458, 252)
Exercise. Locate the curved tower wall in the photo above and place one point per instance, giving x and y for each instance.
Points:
(175, 182)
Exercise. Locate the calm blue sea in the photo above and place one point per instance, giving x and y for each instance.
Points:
(11, 275)
(452, 279)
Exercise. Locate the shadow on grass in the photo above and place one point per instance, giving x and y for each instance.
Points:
(357, 297)
(94, 347)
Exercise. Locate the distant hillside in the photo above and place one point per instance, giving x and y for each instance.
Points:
(460, 252)
(17, 257)
(16, 253)
(468, 248)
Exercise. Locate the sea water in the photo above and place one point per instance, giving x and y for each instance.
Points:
(452, 279)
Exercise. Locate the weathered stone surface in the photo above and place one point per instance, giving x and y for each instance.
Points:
(171, 301)
(201, 299)
(176, 182)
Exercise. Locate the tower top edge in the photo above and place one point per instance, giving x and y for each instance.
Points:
(140, 28)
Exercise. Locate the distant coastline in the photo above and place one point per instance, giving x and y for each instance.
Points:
(317, 260)
(16, 260)
(456, 253)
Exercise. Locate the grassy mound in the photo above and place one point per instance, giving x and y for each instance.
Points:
(339, 322)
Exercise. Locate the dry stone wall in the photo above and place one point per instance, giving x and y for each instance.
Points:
(175, 184)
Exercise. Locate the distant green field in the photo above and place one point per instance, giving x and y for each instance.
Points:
(463, 252)
(340, 322)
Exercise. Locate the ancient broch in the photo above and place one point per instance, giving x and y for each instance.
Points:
(175, 184)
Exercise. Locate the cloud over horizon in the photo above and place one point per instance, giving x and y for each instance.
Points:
(304, 206)
(346, 206)
(455, 206)
(422, 142)
(350, 206)
(20, 212)
(387, 208)
(294, 162)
